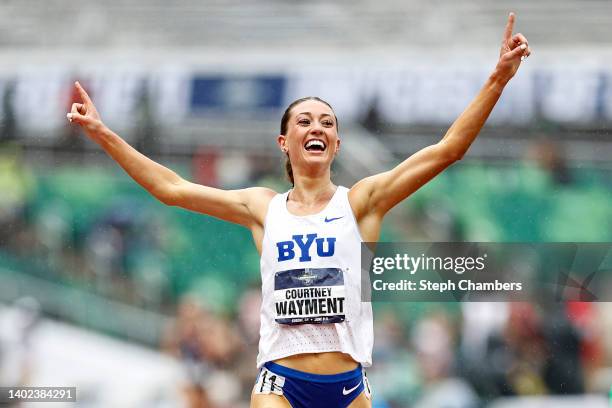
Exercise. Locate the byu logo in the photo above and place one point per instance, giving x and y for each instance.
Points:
(286, 249)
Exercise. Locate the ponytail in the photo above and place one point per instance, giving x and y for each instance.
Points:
(289, 171)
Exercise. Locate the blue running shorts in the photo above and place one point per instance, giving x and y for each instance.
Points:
(305, 390)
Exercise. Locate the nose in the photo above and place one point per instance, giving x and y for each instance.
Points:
(317, 129)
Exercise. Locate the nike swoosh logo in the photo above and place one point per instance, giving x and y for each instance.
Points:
(332, 219)
(347, 392)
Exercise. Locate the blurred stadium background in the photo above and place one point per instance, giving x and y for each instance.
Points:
(140, 305)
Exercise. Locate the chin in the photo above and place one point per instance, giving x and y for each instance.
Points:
(319, 159)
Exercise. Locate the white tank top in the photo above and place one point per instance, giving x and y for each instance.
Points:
(311, 283)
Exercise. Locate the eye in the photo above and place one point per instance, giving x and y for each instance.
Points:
(328, 123)
(305, 122)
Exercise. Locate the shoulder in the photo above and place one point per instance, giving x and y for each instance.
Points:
(359, 196)
(258, 195)
(257, 200)
(260, 192)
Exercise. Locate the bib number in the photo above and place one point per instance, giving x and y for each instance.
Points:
(310, 295)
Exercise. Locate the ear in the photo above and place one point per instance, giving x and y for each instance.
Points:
(337, 147)
(281, 140)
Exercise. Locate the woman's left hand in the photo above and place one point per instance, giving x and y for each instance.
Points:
(514, 50)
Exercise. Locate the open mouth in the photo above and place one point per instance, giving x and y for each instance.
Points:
(315, 145)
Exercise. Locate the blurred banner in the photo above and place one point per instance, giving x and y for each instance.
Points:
(225, 93)
(421, 95)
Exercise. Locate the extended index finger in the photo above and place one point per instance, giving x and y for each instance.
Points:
(84, 97)
(509, 26)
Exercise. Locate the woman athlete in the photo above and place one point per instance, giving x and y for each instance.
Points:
(316, 334)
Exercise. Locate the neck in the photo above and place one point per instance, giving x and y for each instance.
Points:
(309, 189)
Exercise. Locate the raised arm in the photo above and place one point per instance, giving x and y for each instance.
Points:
(377, 194)
(245, 207)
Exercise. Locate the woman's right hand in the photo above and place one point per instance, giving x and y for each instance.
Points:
(85, 114)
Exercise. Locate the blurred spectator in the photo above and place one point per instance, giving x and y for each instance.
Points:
(207, 346)
(204, 166)
(146, 126)
(126, 248)
(184, 339)
(433, 340)
(53, 225)
(396, 376)
(524, 337)
(17, 188)
(249, 314)
(514, 349)
(106, 250)
(8, 123)
(549, 156)
(17, 324)
(147, 259)
(483, 324)
(587, 321)
(371, 120)
(568, 348)
(234, 169)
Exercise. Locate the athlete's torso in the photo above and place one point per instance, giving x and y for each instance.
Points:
(311, 281)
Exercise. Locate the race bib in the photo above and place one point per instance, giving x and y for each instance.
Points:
(269, 382)
(310, 295)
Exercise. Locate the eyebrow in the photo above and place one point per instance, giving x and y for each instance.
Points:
(310, 114)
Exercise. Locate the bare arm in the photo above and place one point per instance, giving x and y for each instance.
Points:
(378, 194)
(245, 207)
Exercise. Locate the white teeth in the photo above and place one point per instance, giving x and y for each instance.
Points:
(315, 143)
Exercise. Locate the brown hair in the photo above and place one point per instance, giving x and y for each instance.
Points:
(285, 122)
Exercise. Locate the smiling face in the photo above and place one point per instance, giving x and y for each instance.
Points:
(310, 136)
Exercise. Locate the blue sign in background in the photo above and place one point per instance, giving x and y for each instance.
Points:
(221, 93)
